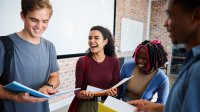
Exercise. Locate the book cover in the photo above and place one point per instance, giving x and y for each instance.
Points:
(118, 105)
(17, 87)
(104, 108)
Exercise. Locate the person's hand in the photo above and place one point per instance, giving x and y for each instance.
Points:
(25, 97)
(111, 91)
(146, 106)
(48, 90)
(86, 94)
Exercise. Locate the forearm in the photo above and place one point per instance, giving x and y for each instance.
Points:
(54, 80)
(163, 93)
(7, 95)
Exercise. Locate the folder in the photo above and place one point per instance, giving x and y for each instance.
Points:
(118, 105)
(103, 108)
(17, 87)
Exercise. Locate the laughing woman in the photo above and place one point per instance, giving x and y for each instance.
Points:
(99, 68)
(148, 78)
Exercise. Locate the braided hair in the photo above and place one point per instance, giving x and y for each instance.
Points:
(155, 52)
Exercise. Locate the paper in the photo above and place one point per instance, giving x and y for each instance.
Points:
(118, 105)
(17, 87)
(64, 92)
(94, 89)
(103, 108)
(121, 82)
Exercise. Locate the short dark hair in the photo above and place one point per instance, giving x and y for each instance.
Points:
(32, 5)
(188, 4)
(156, 54)
(109, 48)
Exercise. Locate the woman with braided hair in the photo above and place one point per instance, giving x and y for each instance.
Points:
(148, 78)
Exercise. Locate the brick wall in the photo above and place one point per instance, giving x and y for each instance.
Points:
(67, 81)
(130, 9)
(158, 31)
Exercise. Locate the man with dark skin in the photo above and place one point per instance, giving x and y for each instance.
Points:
(183, 25)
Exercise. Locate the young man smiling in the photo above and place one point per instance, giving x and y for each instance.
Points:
(34, 62)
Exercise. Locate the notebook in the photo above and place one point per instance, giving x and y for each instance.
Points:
(103, 108)
(17, 87)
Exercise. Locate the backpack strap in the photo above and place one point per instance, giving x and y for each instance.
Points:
(9, 52)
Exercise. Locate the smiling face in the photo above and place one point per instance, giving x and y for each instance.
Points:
(142, 60)
(96, 42)
(36, 22)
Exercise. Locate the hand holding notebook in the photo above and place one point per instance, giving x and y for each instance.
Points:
(17, 87)
(101, 92)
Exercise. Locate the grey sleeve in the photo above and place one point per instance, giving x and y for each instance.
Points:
(53, 60)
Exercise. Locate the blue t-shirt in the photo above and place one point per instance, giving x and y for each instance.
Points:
(185, 94)
(31, 65)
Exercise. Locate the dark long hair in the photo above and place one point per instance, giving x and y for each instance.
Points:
(156, 54)
(109, 48)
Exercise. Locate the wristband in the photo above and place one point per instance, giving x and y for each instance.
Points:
(48, 84)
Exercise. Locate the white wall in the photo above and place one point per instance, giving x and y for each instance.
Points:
(70, 23)
(131, 34)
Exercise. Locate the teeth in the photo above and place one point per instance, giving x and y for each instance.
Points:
(37, 31)
(140, 65)
(93, 45)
